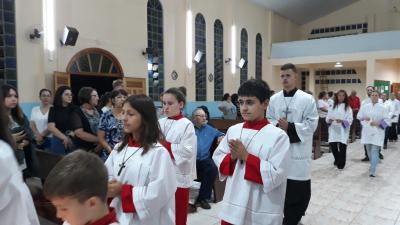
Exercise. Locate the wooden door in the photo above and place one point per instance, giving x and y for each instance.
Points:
(135, 86)
(61, 79)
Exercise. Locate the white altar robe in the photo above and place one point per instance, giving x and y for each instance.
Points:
(247, 202)
(337, 132)
(181, 134)
(303, 113)
(154, 185)
(372, 134)
(16, 204)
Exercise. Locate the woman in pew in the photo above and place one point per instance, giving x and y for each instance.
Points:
(39, 120)
(339, 119)
(111, 124)
(59, 123)
(22, 133)
(16, 205)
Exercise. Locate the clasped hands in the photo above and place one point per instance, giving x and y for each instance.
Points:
(372, 123)
(238, 151)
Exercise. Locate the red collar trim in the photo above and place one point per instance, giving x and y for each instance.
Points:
(133, 143)
(107, 219)
(178, 117)
(256, 125)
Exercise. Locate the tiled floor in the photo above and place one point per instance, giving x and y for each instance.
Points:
(348, 197)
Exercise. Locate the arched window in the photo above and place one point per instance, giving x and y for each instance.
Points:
(94, 61)
(218, 60)
(201, 67)
(258, 57)
(243, 54)
(156, 44)
(8, 58)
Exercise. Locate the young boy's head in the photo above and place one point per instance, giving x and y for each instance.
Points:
(77, 187)
(253, 99)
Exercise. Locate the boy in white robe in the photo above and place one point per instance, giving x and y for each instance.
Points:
(253, 157)
(141, 173)
(77, 187)
(295, 112)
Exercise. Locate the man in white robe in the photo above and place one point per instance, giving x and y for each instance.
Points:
(295, 112)
(253, 158)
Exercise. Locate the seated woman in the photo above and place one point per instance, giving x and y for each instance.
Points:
(59, 122)
(22, 133)
(39, 120)
(85, 122)
(111, 125)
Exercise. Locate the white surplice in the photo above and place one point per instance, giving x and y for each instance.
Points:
(302, 111)
(16, 204)
(372, 134)
(246, 202)
(153, 189)
(337, 131)
(181, 134)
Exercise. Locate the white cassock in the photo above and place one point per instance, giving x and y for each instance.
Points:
(393, 110)
(255, 190)
(16, 204)
(339, 132)
(152, 191)
(301, 110)
(183, 143)
(372, 134)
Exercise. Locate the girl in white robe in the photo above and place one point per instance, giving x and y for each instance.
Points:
(140, 169)
(339, 119)
(374, 119)
(181, 143)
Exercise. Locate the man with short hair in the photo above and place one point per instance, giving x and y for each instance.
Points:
(295, 112)
(206, 169)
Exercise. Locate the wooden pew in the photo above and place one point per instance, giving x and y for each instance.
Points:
(44, 208)
(222, 124)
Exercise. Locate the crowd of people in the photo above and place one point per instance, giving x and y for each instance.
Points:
(125, 163)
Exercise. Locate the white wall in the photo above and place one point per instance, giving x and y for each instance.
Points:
(120, 27)
(388, 70)
(378, 13)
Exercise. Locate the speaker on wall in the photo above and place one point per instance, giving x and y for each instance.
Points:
(70, 35)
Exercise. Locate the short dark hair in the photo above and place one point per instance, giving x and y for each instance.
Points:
(256, 88)
(104, 100)
(150, 132)
(57, 102)
(79, 175)
(115, 93)
(289, 66)
(85, 94)
(43, 90)
(177, 93)
(226, 96)
(321, 94)
(330, 94)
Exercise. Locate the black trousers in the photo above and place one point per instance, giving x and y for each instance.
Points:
(207, 172)
(392, 132)
(339, 153)
(298, 194)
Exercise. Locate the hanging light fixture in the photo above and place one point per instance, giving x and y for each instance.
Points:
(338, 65)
